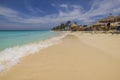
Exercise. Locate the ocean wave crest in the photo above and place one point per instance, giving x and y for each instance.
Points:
(11, 56)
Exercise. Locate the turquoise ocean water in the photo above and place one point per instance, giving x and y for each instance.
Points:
(17, 44)
(16, 38)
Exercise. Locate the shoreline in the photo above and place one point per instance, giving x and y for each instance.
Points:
(78, 56)
(11, 56)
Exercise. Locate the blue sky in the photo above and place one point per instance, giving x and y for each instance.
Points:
(45, 14)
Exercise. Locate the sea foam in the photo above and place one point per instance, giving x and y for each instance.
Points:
(11, 56)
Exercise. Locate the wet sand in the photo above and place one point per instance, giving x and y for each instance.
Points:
(77, 57)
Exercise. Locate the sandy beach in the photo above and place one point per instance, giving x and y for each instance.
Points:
(80, 56)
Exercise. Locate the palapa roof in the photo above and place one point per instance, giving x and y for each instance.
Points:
(74, 25)
(98, 24)
(117, 18)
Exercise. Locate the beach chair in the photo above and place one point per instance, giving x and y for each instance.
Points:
(118, 28)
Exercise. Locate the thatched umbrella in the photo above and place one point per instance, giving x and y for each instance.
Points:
(95, 26)
(116, 23)
(103, 20)
(74, 26)
(80, 28)
(98, 26)
(117, 18)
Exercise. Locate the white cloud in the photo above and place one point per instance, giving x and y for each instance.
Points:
(64, 5)
(8, 12)
(116, 10)
(98, 8)
(103, 7)
(53, 5)
(33, 10)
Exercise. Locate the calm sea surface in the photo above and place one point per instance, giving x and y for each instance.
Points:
(16, 38)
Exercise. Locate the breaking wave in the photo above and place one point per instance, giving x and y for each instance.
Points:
(11, 56)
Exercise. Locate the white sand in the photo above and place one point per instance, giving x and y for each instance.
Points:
(79, 57)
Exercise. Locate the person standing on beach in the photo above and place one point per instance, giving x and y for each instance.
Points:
(108, 25)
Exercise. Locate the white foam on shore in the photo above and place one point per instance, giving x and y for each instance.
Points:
(11, 56)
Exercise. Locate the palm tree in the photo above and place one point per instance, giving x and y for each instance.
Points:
(74, 26)
(67, 25)
(62, 26)
(75, 22)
